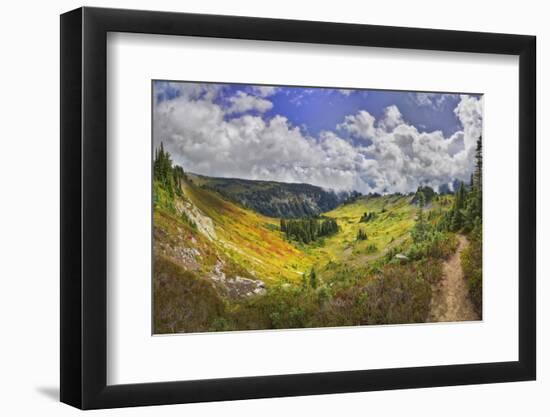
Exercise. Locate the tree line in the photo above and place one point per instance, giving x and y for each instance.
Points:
(168, 175)
(466, 213)
(308, 230)
(464, 216)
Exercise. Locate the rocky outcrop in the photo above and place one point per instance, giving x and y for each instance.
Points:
(204, 224)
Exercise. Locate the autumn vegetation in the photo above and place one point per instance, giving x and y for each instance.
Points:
(225, 258)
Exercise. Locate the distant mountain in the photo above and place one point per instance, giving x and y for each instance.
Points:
(276, 199)
(444, 189)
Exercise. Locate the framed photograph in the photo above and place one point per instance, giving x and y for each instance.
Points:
(257, 208)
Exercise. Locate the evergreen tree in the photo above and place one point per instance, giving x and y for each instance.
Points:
(479, 165)
(466, 212)
(478, 179)
(457, 219)
(361, 235)
(420, 227)
(367, 217)
(472, 212)
(168, 176)
(313, 279)
(308, 230)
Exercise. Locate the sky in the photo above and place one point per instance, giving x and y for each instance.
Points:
(341, 139)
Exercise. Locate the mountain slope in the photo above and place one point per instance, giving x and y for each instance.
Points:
(392, 218)
(227, 235)
(274, 199)
(219, 265)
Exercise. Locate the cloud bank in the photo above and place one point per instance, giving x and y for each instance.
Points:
(361, 153)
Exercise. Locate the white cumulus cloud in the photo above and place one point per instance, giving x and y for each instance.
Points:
(386, 155)
(434, 100)
(360, 125)
(265, 91)
(392, 118)
(242, 102)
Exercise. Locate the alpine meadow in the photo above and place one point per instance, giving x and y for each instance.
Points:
(280, 207)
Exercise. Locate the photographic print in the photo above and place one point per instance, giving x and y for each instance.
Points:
(282, 207)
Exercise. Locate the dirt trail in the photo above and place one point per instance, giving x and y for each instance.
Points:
(450, 301)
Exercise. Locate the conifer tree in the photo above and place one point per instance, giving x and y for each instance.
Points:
(170, 177)
(361, 235)
(313, 279)
(419, 229)
(473, 211)
(478, 178)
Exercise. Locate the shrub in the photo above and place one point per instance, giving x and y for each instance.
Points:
(371, 248)
(183, 302)
(400, 294)
(471, 259)
(435, 244)
(361, 235)
(367, 217)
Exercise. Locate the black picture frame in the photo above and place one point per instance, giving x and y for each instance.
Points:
(84, 207)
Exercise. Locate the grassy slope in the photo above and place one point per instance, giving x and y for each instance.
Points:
(250, 239)
(388, 229)
(246, 244)
(249, 244)
(270, 198)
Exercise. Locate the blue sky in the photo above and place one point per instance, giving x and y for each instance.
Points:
(323, 108)
(413, 129)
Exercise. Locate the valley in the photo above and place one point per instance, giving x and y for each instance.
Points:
(222, 260)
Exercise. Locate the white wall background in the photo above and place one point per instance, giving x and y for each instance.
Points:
(29, 209)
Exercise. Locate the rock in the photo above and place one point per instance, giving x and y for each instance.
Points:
(259, 290)
(239, 287)
(185, 256)
(401, 257)
(204, 224)
(218, 274)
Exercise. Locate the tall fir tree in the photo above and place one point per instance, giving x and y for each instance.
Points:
(466, 212)
(478, 179)
(419, 230)
(170, 177)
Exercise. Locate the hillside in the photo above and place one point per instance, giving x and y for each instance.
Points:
(219, 265)
(202, 220)
(274, 199)
(216, 251)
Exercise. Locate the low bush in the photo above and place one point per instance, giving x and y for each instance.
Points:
(182, 301)
(471, 259)
(435, 244)
(371, 248)
(395, 294)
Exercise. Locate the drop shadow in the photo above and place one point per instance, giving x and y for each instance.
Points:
(50, 392)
